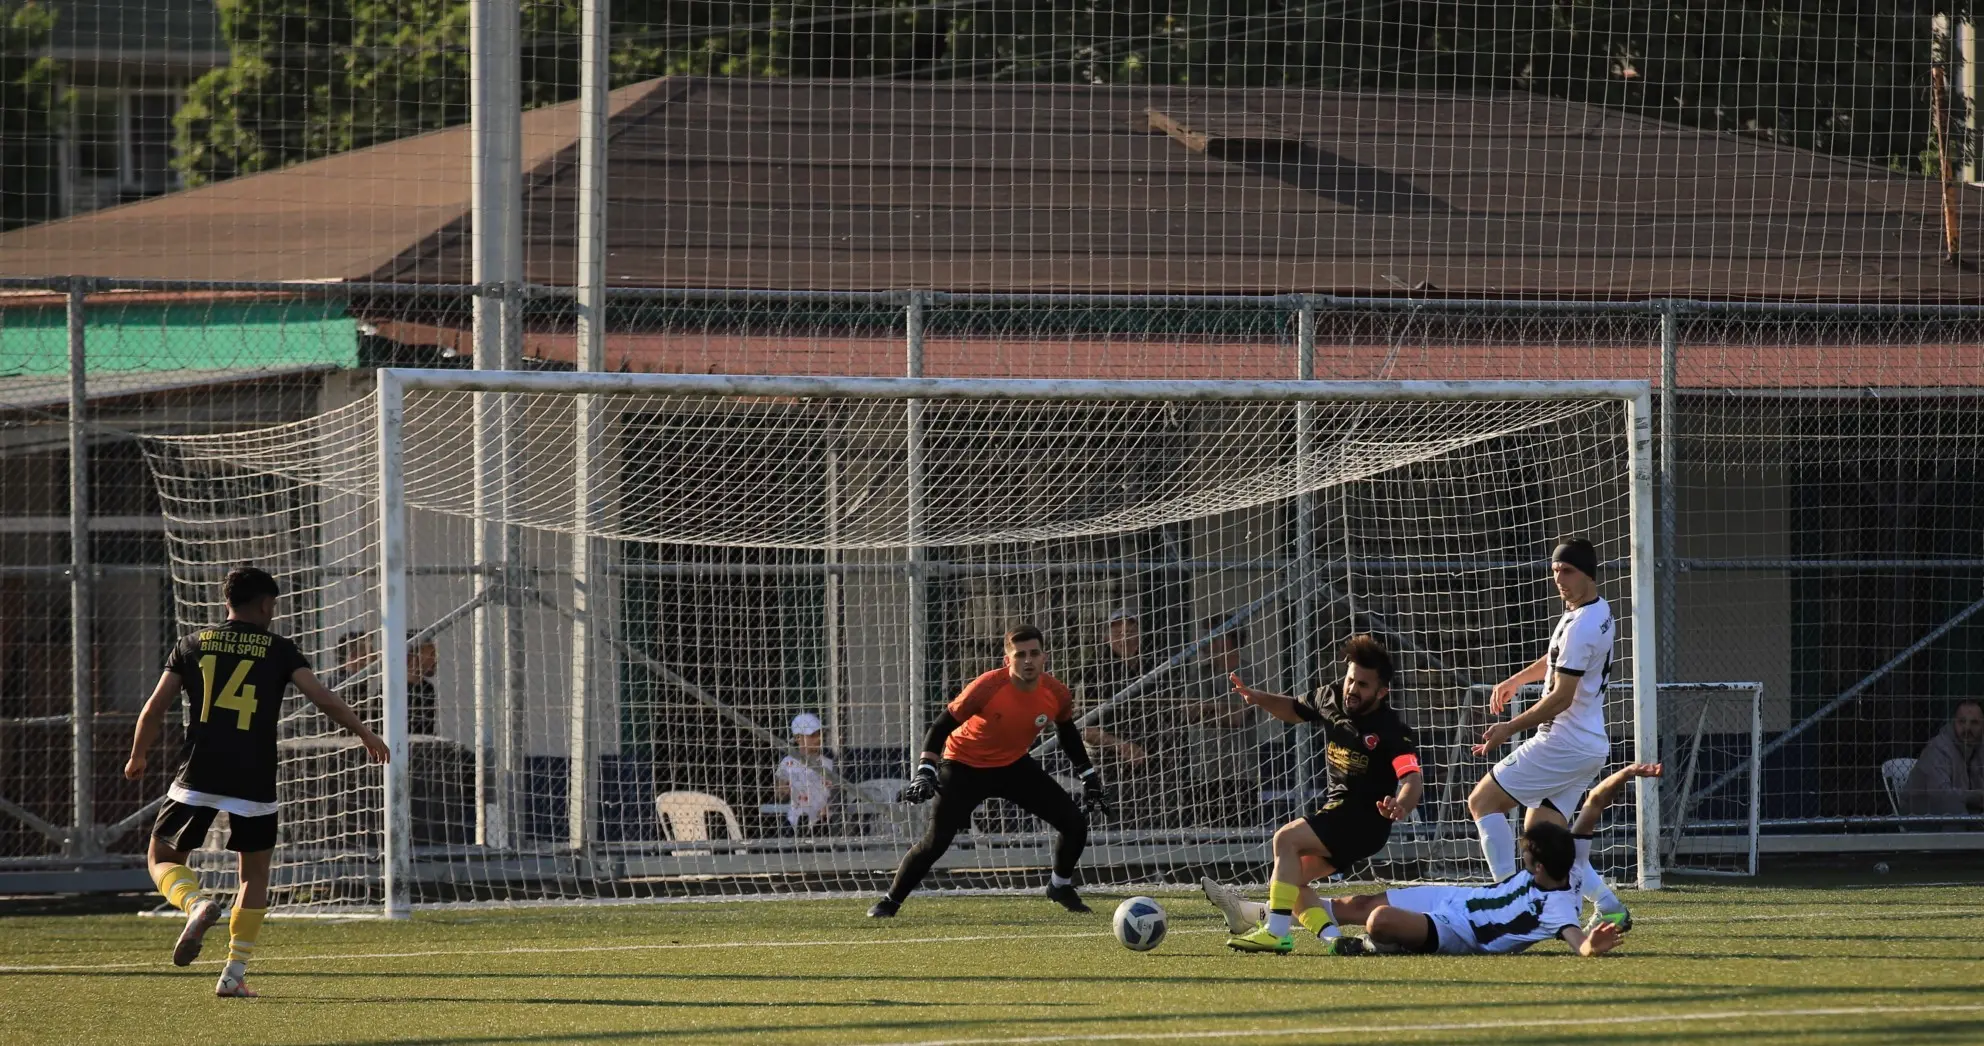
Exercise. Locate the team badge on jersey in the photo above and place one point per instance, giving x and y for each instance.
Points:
(1040, 720)
(1371, 742)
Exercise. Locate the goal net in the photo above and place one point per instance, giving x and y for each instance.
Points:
(657, 636)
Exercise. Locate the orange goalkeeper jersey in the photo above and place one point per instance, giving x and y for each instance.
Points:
(999, 721)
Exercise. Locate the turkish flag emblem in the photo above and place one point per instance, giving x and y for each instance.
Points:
(1371, 742)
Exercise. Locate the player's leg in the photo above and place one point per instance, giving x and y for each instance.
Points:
(1489, 805)
(1293, 842)
(244, 925)
(959, 791)
(1391, 928)
(1243, 915)
(1584, 877)
(176, 833)
(1026, 785)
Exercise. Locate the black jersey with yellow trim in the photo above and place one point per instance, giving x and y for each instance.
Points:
(1367, 754)
(234, 676)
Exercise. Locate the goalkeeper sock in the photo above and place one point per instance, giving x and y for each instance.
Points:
(1590, 884)
(1281, 906)
(178, 885)
(244, 926)
(1498, 844)
(1056, 879)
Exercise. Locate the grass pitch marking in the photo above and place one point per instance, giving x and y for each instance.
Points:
(1337, 1029)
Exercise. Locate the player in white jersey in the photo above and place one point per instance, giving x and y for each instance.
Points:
(1550, 771)
(1536, 903)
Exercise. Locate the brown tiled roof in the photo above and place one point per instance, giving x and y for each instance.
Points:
(973, 187)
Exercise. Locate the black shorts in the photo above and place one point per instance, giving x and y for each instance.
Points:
(184, 827)
(1349, 835)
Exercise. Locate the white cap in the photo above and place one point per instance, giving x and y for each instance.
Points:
(1122, 614)
(805, 724)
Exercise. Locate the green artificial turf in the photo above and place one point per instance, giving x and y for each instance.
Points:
(1706, 964)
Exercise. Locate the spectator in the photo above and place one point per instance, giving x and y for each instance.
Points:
(354, 680)
(423, 713)
(801, 779)
(1225, 767)
(1122, 732)
(1949, 774)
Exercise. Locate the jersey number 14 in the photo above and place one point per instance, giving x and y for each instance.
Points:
(235, 696)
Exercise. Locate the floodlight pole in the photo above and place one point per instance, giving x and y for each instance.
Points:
(588, 602)
(495, 133)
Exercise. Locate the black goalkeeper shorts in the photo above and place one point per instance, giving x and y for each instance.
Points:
(1350, 835)
(184, 827)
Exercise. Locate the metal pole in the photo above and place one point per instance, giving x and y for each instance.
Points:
(392, 667)
(1670, 549)
(587, 601)
(832, 624)
(1646, 643)
(919, 610)
(82, 682)
(1304, 653)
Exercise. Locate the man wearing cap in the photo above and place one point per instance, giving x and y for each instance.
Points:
(1550, 772)
(801, 778)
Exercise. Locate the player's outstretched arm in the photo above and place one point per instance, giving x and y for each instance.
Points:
(1606, 792)
(1603, 938)
(1399, 807)
(340, 713)
(1280, 706)
(1505, 691)
(150, 722)
(1559, 698)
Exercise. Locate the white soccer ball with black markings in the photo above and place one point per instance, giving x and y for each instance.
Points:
(1139, 924)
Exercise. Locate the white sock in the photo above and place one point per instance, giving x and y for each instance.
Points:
(1059, 880)
(1256, 910)
(1279, 922)
(1498, 844)
(1328, 932)
(1591, 884)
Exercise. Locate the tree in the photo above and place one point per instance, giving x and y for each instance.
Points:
(29, 109)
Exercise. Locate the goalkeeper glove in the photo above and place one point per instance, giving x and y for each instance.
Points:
(923, 787)
(1095, 796)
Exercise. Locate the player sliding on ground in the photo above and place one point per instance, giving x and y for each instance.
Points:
(234, 675)
(984, 735)
(1535, 904)
(1374, 780)
(1552, 769)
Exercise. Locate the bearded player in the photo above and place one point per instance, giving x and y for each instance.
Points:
(1374, 781)
(984, 735)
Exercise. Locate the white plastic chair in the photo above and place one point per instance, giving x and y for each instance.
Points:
(1894, 775)
(894, 819)
(685, 816)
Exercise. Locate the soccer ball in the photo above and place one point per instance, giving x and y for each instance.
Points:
(1139, 924)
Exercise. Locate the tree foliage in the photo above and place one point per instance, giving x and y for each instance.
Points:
(29, 108)
(1846, 77)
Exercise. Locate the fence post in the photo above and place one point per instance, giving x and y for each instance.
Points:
(919, 609)
(82, 683)
(1670, 552)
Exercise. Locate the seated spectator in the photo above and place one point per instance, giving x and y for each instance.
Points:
(423, 707)
(1949, 775)
(801, 779)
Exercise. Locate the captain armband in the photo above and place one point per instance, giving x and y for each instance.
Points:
(1405, 764)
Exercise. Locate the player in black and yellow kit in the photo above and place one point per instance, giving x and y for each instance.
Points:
(234, 675)
(1374, 781)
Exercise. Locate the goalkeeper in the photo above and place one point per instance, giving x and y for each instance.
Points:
(984, 735)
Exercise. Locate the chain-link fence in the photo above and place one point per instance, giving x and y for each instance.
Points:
(1821, 529)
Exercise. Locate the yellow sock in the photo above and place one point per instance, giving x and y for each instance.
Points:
(179, 886)
(1314, 919)
(243, 927)
(1282, 896)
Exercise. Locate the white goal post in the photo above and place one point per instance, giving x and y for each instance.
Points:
(663, 571)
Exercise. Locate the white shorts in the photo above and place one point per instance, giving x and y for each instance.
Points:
(1541, 772)
(1436, 903)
